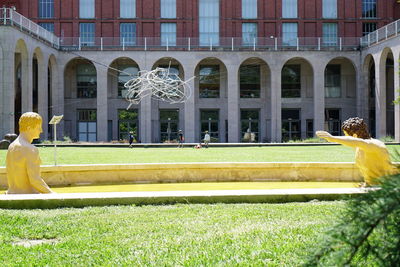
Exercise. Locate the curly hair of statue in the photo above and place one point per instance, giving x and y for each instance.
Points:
(356, 126)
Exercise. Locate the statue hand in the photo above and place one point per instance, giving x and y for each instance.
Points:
(323, 134)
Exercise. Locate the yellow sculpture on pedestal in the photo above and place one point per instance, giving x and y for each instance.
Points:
(23, 161)
(372, 157)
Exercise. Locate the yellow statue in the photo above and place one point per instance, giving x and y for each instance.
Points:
(23, 161)
(372, 157)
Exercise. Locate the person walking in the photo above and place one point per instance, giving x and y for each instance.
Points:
(130, 139)
(207, 139)
(181, 138)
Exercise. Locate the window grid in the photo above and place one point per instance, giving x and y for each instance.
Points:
(369, 8)
(329, 9)
(87, 33)
(127, 9)
(209, 22)
(368, 28)
(209, 81)
(329, 34)
(249, 9)
(333, 81)
(249, 33)
(249, 124)
(289, 34)
(289, 8)
(127, 33)
(46, 8)
(86, 9)
(168, 34)
(47, 26)
(168, 9)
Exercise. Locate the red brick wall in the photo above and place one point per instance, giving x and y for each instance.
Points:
(269, 17)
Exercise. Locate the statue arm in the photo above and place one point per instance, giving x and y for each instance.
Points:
(347, 140)
(33, 170)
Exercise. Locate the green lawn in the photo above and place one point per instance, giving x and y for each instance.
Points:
(177, 235)
(78, 155)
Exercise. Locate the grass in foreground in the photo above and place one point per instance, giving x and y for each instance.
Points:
(177, 235)
(69, 155)
(199, 186)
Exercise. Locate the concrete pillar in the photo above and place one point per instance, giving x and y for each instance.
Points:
(362, 93)
(43, 96)
(7, 83)
(319, 97)
(145, 120)
(276, 104)
(190, 106)
(396, 96)
(58, 96)
(380, 96)
(102, 107)
(26, 83)
(233, 104)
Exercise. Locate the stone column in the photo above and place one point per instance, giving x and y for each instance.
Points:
(145, 120)
(396, 96)
(276, 104)
(233, 104)
(319, 97)
(26, 83)
(362, 93)
(102, 107)
(7, 83)
(43, 96)
(190, 107)
(57, 98)
(380, 97)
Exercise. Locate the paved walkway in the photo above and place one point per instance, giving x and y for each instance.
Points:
(170, 197)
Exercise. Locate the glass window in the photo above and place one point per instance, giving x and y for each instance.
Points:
(289, 34)
(291, 124)
(168, 34)
(47, 26)
(87, 126)
(86, 81)
(128, 33)
(209, 80)
(291, 81)
(173, 70)
(128, 72)
(209, 121)
(249, 120)
(128, 122)
(209, 22)
(332, 81)
(332, 121)
(329, 34)
(169, 123)
(249, 33)
(329, 9)
(127, 9)
(368, 27)
(87, 33)
(46, 8)
(250, 81)
(369, 8)
(168, 9)
(289, 8)
(249, 9)
(86, 9)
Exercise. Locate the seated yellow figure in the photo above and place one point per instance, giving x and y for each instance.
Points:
(23, 161)
(372, 157)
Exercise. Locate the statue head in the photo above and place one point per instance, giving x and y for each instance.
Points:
(356, 127)
(31, 123)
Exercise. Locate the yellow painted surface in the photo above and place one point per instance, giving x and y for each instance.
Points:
(196, 172)
(201, 186)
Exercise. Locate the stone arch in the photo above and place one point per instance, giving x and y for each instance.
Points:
(387, 90)
(22, 94)
(38, 68)
(368, 71)
(297, 93)
(51, 87)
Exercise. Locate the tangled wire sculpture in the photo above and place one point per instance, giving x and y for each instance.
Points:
(160, 84)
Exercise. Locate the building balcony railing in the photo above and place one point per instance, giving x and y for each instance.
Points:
(12, 18)
(381, 34)
(199, 44)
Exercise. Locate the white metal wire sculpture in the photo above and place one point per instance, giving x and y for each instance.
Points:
(160, 84)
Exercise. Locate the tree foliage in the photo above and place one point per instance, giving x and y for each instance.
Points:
(368, 231)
